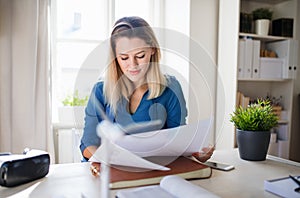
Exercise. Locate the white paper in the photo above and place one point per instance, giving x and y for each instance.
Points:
(283, 187)
(128, 150)
(168, 188)
(144, 192)
(187, 189)
(123, 157)
(183, 140)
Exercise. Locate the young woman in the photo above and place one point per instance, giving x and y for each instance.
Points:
(134, 89)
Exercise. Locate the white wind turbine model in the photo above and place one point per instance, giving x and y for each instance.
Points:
(110, 132)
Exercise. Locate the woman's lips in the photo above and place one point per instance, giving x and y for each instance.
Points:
(134, 72)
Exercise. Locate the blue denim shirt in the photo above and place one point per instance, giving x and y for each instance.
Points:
(169, 108)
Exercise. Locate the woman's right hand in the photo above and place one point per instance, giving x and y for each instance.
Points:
(95, 168)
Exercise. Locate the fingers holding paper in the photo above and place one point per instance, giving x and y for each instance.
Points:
(205, 154)
(95, 168)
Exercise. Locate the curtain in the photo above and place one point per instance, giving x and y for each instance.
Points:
(25, 76)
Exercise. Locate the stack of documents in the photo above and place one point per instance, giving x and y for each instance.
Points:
(284, 187)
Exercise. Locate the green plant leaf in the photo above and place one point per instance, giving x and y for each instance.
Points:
(262, 13)
(256, 117)
(75, 100)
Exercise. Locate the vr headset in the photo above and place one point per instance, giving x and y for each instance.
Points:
(17, 169)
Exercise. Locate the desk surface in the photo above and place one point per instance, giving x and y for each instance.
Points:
(246, 180)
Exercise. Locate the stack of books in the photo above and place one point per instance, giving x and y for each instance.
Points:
(242, 100)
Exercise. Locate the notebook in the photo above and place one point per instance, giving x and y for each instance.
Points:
(187, 168)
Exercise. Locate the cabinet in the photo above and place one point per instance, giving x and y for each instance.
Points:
(260, 77)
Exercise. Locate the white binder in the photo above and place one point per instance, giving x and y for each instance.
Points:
(248, 58)
(241, 58)
(286, 50)
(255, 59)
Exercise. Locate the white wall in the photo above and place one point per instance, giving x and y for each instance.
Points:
(212, 60)
(227, 70)
(175, 43)
(203, 58)
(209, 27)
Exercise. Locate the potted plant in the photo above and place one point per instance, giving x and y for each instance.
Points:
(262, 18)
(72, 111)
(253, 129)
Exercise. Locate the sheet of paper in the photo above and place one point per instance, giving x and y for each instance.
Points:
(168, 188)
(123, 157)
(284, 187)
(145, 192)
(129, 150)
(183, 140)
(187, 189)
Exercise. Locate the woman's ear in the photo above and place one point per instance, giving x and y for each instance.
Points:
(153, 51)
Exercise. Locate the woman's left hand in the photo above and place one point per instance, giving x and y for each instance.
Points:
(205, 154)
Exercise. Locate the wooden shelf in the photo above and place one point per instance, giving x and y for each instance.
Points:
(272, 2)
(264, 38)
(262, 80)
(272, 87)
(283, 121)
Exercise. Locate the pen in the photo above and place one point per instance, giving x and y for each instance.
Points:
(295, 180)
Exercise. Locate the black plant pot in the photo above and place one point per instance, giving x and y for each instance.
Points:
(253, 145)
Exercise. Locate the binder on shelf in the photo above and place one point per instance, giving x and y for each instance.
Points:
(296, 67)
(245, 58)
(255, 59)
(248, 58)
(270, 68)
(287, 50)
(241, 58)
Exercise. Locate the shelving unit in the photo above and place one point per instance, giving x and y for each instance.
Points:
(272, 87)
(264, 38)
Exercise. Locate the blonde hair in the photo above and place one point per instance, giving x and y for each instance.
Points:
(116, 85)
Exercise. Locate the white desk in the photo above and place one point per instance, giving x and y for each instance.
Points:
(75, 180)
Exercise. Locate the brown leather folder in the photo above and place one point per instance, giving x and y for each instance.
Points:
(187, 168)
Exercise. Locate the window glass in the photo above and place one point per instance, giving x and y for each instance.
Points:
(73, 54)
(139, 8)
(79, 19)
(78, 28)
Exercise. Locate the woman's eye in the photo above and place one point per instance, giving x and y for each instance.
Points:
(141, 56)
(124, 58)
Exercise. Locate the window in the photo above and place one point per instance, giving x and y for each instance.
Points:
(78, 27)
(134, 8)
